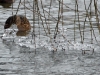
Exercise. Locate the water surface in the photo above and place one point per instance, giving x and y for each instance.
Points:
(28, 55)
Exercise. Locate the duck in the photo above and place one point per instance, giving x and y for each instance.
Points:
(7, 1)
(20, 21)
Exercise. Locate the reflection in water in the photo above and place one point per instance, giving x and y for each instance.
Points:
(6, 3)
(22, 33)
(14, 33)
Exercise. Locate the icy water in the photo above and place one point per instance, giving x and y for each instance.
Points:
(28, 55)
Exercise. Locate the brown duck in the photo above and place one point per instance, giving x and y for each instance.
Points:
(7, 1)
(21, 22)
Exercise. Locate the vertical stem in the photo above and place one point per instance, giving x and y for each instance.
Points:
(49, 16)
(79, 21)
(75, 22)
(96, 13)
(18, 7)
(24, 8)
(12, 8)
(62, 14)
(56, 28)
(33, 33)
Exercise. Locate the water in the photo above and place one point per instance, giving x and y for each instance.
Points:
(28, 55)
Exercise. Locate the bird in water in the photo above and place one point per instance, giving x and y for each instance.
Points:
(21, 21)
(7, 1)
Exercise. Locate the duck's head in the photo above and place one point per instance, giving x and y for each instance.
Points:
(9, 22)
(7, 26)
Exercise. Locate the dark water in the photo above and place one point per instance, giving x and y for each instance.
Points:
(27, 55)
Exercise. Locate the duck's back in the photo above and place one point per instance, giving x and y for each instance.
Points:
(22, 23)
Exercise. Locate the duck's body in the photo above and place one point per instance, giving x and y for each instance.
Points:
(7, 1)
(21, 22)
